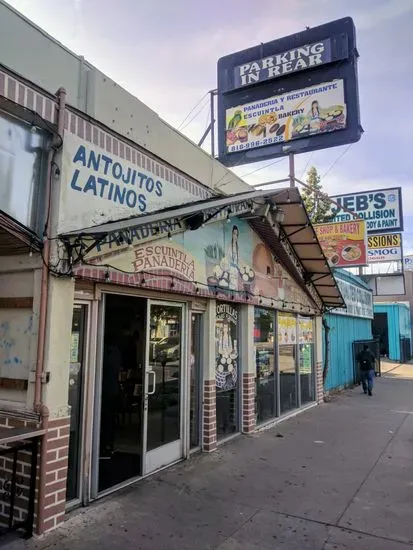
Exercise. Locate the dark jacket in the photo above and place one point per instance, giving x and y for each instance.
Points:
(366, 360)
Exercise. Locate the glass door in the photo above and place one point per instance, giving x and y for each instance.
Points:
(163, 441)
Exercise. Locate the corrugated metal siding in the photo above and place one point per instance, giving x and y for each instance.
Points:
(344, 331)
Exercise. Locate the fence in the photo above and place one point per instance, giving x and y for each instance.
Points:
(19, 448)
(405, 350)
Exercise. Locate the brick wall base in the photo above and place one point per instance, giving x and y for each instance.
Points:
(54, 474)
(23, 472)
(209, 435)
(249, 418)
(319, 382)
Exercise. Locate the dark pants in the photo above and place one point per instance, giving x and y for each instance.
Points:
(367, 377)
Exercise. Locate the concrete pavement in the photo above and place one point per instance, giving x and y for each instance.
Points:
(339, 476)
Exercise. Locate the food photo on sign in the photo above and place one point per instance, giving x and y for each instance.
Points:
(310, 111)
(344, 244)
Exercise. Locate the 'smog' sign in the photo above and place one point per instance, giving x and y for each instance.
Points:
(273, 94)
(382, 209)
(385, 248)
(274, 66)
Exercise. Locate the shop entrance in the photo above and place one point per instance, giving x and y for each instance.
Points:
(140, 389)
(381, 332)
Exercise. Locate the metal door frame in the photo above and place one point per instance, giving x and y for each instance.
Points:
(181, 445)
(86, 347)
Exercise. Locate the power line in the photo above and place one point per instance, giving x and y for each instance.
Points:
(194, 117)
(262, 167)
(336, 161)
(306, 166)
(192, 110)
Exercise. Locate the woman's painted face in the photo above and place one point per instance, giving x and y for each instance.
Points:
(235, 234)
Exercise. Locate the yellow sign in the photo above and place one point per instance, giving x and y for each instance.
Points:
(384, 241)
(344, 243)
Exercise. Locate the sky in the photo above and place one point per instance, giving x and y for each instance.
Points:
(165, 53)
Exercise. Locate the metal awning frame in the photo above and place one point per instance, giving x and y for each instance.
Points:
(253, 205)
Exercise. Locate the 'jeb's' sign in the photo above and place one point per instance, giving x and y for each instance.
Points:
(291, 61)
(382, 209)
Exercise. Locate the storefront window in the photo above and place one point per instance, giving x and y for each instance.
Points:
(264, 345)
(306, 364)
(287, 341)
(227, 370)
(21, 172)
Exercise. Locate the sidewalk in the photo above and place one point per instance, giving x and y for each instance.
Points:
(339, 476)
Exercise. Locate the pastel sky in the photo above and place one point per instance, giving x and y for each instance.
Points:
(165, 52)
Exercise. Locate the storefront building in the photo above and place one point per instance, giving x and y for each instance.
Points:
(343, 327)
(157, 305)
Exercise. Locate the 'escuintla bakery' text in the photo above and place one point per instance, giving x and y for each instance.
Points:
(155, 257)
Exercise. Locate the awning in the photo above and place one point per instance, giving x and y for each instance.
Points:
(15, 238)
(296, 245)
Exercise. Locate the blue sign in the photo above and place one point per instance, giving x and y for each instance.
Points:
(277, 74)
(382, 209)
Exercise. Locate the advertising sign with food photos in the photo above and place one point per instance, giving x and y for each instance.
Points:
(344, 244)
(305, 330)
(296, 94)
(300, 113)
(287, 330)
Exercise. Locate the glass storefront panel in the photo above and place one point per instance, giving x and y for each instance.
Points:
(287, 342)
(264, 344)
(306, 360)
(227, 370)
(22, 167)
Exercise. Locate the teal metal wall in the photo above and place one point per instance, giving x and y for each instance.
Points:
(344, 330)
(398, 322)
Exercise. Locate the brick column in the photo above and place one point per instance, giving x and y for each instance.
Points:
(319, 389)
(249, 418)
(54, 475)
(210, 420)
(209, 433)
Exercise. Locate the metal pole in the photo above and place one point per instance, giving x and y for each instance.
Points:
(292, 169)
(212, 103)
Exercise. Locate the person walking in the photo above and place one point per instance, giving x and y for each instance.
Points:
(367, 360)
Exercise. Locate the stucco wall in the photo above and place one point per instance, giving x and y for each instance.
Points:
(51, 66)
(19, 278)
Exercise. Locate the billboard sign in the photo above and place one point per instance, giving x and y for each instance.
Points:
(291, 61)
(358, 300)
(408, 263)
(301, 89)
(344, 244)
(384, 248)
(307, 112)
(381, 208)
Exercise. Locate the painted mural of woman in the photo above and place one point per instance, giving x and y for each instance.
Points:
(233, 258)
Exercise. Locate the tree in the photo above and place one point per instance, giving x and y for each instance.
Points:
(317, 206)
